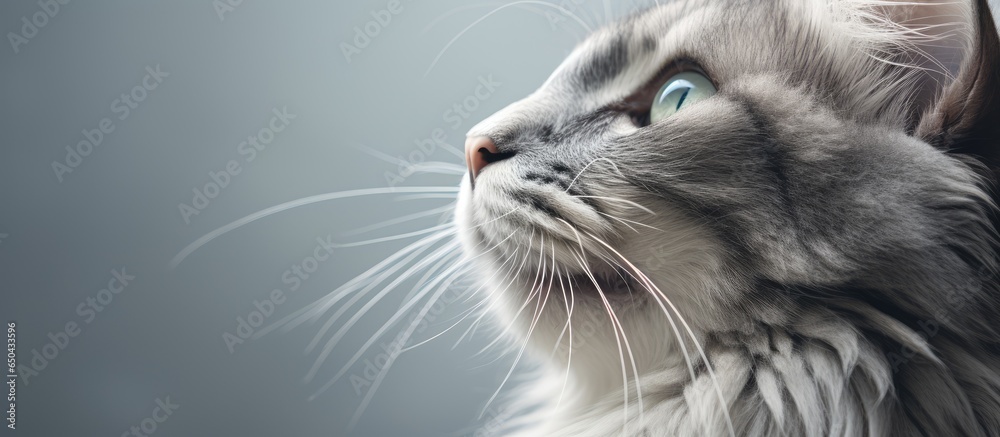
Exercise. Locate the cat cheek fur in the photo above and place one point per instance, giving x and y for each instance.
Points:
(818, 239)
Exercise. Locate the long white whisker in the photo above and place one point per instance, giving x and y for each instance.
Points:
(445, 277)
(368, 305)
(467, 265)
(571, 183)
(531, 329)
(474, 23)
(313, 315)
(392, 358)
(363, 279)
(465, 317)
(205, 239)
(569, 322)
(634, 222)
(618, 339)
(531, 294)
(403, 219)
(380, 154)
(622, 221)
(557, 273)
(497, 218)
(434, 22)
(615, 199)
(409, 197)
(513, 279)
(708, 365)
(439, 167)
(486, 311)
(394, 237)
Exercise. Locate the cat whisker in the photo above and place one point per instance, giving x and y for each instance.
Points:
(566, 327)
(410, 197)
(618, 328)
(419, 287)
(622, 221)
(394, 237)
(513, 279)
(402, 162)
(423, 286)
(619, 337)
(628, 223)
(364, 292)
(580, 173)
(445, 280)
(391, 359)
(708, 365)
(569, 322)
(205, 239)
(402, 339)
(439, 167)
(461, 319)
(616, 199)
(500, 217)
(369, 276)
(402, 219)
(380, 155)
(420, 246)
(449, 13)
(552, 276)
(539, 308)
(472, 327)
(498, 9)
(437, 256)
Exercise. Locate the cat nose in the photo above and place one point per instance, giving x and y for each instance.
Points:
(480, 152)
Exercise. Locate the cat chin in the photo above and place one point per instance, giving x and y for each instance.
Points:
(659, 283)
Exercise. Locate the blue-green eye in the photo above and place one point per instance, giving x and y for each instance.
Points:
(681, 90)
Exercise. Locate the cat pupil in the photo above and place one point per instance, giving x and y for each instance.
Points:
(683, 96)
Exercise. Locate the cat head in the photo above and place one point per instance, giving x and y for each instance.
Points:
(704, 166)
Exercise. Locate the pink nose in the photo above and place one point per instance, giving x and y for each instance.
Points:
(480, 152)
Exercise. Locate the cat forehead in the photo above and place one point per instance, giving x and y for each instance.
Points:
(828, 44)
(616, 60)
(625, 45)
(750, 34)
(607, 66)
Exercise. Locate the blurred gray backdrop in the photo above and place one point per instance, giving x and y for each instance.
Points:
(130, 129)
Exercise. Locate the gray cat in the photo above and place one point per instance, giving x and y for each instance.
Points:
(752, 218)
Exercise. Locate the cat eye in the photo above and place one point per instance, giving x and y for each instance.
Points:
(679, 91)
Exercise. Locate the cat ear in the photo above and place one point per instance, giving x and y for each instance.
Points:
(963, 114)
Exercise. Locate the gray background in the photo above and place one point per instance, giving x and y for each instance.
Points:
(162, 336)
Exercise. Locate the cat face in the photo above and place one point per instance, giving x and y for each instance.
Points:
(806, 162)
